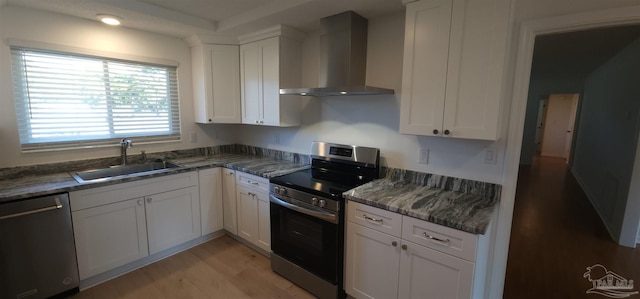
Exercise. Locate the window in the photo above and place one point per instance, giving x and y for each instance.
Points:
(66, 100)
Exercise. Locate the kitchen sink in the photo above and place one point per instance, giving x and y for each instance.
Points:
(122, 171)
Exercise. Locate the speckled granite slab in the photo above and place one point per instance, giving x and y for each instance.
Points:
(32, 181)
(457, 203)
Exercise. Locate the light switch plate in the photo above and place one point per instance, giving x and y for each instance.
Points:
(423, 156)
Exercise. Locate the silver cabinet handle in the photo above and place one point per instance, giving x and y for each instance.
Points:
(394, 243)
(430, 237)
(149, 199)
(56, 206)
(404, 246)
(371, 219)
(140, 202)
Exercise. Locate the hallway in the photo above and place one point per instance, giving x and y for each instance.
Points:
(556, 234)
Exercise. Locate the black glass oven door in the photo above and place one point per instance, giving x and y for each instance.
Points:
(308, 242)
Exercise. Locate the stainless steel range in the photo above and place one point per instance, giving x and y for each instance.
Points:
(307, 216)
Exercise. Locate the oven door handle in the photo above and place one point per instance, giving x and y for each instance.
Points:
(321, 215)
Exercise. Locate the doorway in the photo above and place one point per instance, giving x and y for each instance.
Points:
(529, 30)
(557, 229)
(557, 117)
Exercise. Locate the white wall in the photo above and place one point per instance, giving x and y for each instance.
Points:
(45, 27)
(374, 120)
(607, 135)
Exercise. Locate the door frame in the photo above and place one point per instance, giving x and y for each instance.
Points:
(519, 92)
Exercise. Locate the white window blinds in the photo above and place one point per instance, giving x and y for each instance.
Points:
(66, 100)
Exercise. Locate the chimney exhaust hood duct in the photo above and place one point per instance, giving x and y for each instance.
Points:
(343, 59)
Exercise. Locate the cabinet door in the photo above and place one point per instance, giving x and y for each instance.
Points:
(211, 211)
(172, 218)
(216, 82)
(372, 263)
(426, 273)
(476, 65)
(251, 82)
(247, 214)
(110, 236)
(424, 70)
(229, 201)
(270, 50)
(264, 222)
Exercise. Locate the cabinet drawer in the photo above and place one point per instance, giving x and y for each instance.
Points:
(375, 218)
(443, 239)
(252, 181)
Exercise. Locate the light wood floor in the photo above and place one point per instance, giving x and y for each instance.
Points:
(556, 233)
(221, 268)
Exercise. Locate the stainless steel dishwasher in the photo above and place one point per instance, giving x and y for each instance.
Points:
(37, 251)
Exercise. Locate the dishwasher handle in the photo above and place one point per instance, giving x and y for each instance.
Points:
(57, 206)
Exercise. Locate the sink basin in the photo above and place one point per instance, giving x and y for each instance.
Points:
(117, 172)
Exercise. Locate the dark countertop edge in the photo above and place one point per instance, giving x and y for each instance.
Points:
(202, 164)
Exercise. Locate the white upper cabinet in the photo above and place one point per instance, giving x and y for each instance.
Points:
(453, 70)
(216, 83)
(266, 66)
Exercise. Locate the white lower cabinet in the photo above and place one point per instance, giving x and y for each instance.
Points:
(373, 263)
(211, 199)
(264, 221)
(172, 218)
(426, 273)
(229, 201)
(382, 263)
(247, 214)
(119, 224)
(252, 194)
(110, 236)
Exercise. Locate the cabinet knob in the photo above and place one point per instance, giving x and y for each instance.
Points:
(394, 243)
(261, 122)
(209, 120)
(149, 199)
(139, 202)
(230, 173)
(435, 132)
(404, 246)
(447, 132)
(257, 121)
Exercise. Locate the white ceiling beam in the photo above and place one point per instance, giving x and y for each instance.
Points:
(253, 15)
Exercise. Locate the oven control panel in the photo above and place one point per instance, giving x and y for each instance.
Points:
(289, 194)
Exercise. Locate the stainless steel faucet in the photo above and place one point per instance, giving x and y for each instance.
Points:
(124, 145)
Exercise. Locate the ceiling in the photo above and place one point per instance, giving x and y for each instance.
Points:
(186, 18)
(577, 54)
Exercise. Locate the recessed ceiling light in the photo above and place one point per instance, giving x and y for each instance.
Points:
(109, 19)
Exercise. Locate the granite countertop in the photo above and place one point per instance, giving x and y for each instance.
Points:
(433, 199)
(16, 187)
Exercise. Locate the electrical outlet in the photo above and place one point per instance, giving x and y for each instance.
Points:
(423, 156)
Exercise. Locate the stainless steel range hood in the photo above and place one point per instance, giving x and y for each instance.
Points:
(343, 59)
